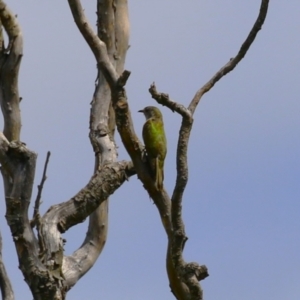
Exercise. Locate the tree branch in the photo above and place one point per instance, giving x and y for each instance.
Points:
(124, 122)
(36, 211)
(113, 31)
(234, 61)
(1, 43)
(18, 168)
(59, 218)
(5, 285)
(165, 100)
(97, 46)
(192, 273)
(10, 60)
(42, 263)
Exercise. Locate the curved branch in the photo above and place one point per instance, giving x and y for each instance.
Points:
(113, 35)
(42, 263)
(191, 273)
(234, 61)
(59, 218)
(97, 46)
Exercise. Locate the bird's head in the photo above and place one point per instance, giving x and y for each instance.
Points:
(151, 112)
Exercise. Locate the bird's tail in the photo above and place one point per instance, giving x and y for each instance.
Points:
(159, 176)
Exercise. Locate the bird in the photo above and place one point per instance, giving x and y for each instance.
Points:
(155, 143)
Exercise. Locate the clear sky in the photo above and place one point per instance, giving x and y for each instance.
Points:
(242, 203)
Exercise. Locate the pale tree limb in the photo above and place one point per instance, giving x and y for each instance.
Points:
(41, 259)
(5, 285)
(102, 121)
(10, 59)
(59, 218)
(123, 116)
(9, 69)
(191, 273)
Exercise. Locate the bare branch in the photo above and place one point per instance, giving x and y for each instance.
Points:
(9, 21)
(10, 60)
(36, 214)
(102, 127)
(165, 100)
(59, 218)
(113, 31)
(123, 116)
(234, 61)
(5, 285)
(4, 145)
(124, 121)
(192, 273)
(1, 42)
(97, 46)
(18, 173)
(121, 82)
(42, 263)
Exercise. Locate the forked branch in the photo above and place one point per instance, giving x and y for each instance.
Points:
(191, 273)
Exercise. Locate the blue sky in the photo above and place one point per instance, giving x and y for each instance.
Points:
(241, 206)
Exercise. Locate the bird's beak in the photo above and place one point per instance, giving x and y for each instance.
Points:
(141, 111)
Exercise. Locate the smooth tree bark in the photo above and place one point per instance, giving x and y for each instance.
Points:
(47, 271)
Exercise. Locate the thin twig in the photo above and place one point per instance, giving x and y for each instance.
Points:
(37, 203)
(234, 61)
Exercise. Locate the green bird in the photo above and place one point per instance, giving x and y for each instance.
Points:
(155, 143)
